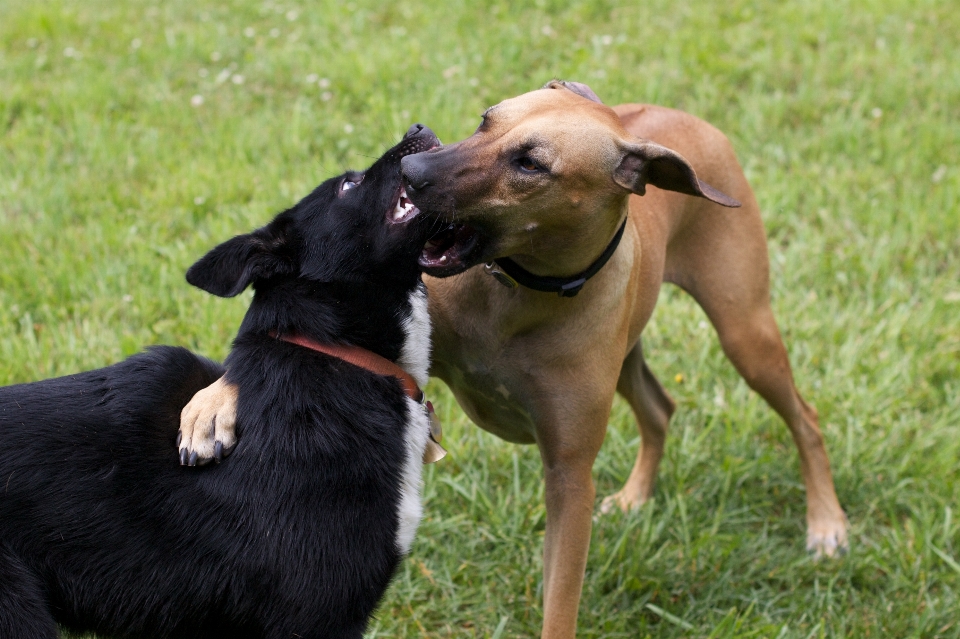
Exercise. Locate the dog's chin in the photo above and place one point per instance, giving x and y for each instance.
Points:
(452, 250)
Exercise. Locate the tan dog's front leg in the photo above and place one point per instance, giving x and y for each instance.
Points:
(569, 496)
(568, 446)
(207, 425)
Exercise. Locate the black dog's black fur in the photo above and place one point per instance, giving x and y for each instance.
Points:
(295, 534)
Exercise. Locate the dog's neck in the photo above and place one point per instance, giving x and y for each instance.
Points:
(377, 318)
(572, 251)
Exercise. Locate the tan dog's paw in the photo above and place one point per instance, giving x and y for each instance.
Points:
(624, 500)
(207, 425)
(828, 538)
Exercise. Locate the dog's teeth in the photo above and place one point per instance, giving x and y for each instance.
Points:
(443, 258)
(403, 208)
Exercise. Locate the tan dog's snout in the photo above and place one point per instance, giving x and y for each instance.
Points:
(415, 171)
(447, 181)
(428, 176)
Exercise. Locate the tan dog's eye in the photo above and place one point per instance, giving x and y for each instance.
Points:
(528, 165)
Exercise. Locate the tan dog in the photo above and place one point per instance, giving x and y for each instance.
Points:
(548, 179)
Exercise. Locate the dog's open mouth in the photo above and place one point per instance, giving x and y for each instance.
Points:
(450, 250)
(404, 210)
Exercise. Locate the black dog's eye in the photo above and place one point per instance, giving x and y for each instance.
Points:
(350, 184)
(528, 165)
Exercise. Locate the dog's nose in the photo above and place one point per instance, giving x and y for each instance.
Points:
(412, 131)
(414, 172)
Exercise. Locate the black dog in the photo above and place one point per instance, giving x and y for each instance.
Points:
(298, 533)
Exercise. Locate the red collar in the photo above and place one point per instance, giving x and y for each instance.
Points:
(359, 357)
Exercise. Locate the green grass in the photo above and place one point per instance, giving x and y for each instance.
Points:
(846, 116)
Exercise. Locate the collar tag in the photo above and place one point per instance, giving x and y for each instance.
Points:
(433, 452)
(494, 269)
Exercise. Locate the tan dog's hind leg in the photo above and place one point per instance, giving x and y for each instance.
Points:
(754, 346)
(652, 407)
(207, 424)
(723, 263)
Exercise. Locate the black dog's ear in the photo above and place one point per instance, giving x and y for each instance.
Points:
(232, 266)
(648, 163)
(577, 87)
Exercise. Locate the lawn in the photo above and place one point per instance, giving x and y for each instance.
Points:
(136, 135)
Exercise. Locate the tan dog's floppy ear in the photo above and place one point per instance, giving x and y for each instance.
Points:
(577, 87)
(648, 163)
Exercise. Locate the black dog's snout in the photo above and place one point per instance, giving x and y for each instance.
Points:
(413, 130)
(419, 138)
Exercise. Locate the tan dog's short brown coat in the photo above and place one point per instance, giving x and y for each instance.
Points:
(532, 367)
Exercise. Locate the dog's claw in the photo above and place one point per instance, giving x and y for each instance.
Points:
(193, 459)
(179, 438)
(218, 452)
(183, 457)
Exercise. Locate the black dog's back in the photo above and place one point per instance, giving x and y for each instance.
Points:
(92, 422)
(100, 405)
(80, 456)
(297, 530)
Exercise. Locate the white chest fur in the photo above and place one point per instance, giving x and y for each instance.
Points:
(415, 353)
(415, 359)
(410, 509)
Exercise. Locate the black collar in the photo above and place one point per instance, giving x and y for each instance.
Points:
(511, 274)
